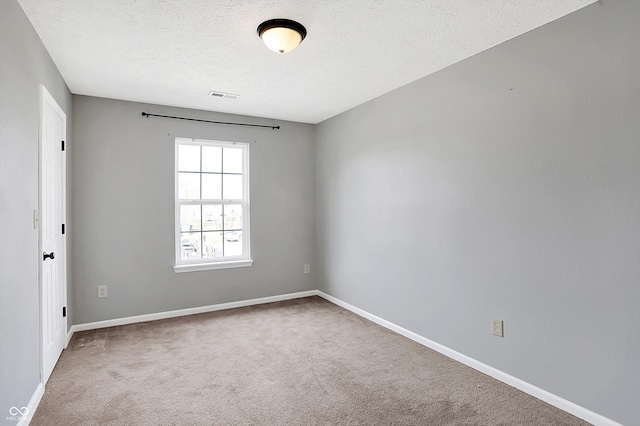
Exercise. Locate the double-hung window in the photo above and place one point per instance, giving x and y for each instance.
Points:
(212, 205)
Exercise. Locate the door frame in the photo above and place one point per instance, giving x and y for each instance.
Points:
(45, 97)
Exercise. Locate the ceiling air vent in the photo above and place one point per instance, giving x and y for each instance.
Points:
(223, 95)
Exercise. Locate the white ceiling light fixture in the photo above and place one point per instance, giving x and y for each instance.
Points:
(282, 35)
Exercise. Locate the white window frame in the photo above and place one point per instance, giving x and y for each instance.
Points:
(188, 265)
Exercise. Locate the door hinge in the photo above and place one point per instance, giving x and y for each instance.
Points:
(63, 145)
(63, 229)
(64, 312)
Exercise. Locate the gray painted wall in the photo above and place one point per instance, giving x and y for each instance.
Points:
(504, 186)
(123, 186)
(24, 65)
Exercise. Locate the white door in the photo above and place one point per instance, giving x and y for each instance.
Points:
(52, 211)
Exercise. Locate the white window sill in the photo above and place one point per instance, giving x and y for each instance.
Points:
(209, 266)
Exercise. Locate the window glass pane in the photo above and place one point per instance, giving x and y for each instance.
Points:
(233, 243)
(212, 159)
(212, 244)
(211, 218)
(188, 158)
(232, 187)
(190, 245)
(233, 216)
(211, 186)
(190, 218)
(189, 186)
(232, 160)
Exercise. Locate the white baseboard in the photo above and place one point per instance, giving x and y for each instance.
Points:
(528, 388)
(32, 406)
(188, 311)
(69, 335)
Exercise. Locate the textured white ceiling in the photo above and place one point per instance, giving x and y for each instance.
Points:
(173, 52)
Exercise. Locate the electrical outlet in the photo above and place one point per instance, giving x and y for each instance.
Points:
(307, 269)
(498, 327)
(102, 291)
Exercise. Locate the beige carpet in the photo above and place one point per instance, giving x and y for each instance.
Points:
(300, 362)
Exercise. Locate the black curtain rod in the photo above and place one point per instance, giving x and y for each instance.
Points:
(145, 114)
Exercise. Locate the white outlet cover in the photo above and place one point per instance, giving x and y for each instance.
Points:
(498, 327)
(102, 291)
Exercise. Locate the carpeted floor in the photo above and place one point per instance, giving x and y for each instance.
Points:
(299, 362)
